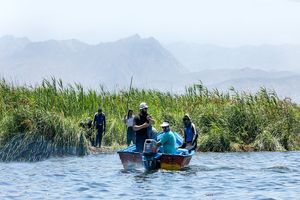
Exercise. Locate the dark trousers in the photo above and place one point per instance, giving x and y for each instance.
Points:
(99, 136)
(130, 136)
(140, 140)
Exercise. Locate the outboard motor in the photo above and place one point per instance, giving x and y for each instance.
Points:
(149, 153)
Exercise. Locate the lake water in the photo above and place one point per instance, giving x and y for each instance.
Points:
(263, 175)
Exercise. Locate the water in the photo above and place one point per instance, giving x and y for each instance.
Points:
(264, 175)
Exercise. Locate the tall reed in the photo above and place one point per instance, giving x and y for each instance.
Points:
(226, 121)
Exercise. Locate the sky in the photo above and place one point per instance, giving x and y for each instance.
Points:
(222, 22)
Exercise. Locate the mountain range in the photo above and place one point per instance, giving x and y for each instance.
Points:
(110, 64)
(169, 67)
(206, 56)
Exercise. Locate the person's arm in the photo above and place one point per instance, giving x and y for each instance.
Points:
(94, 121)
(195, 132)
(184, 133)
(125, 119)
(104, 123)
(158, 143)
(163, 139)
(139, 127)
(151, 120)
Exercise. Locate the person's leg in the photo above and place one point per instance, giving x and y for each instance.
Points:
(140, 143)
(100, 135)
(132, 135)
(134, 138)
(97, 138)
(128, 137)
(139, 146)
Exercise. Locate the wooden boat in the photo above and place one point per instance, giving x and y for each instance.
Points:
(157, 160)
(129, 158)
(175, 162)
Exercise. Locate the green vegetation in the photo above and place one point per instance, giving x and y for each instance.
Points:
(42, 121)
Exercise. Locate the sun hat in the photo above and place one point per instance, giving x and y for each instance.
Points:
(165, 124)
(143, 105)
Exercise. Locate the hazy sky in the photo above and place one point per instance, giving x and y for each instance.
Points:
(224, 22)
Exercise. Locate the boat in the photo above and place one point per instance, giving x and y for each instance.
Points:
(130, 158)
(178, 161)
(155, 159)
(152, 158)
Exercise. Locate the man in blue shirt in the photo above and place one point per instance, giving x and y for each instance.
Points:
(100, 124)
(190, 133)
(168, 140)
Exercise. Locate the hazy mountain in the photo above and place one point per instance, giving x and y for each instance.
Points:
(198, 57)
(151, 65)
(111, 64)
(10, 45)
(284, 86)
(214, 76)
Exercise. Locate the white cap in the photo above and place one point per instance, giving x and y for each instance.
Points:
(143, 105)
(165, 124)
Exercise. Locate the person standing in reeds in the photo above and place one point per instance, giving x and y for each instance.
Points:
(190, 133)
(100, 124)
(141, 122)
(128, 120)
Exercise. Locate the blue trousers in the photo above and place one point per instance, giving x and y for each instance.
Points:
(140, 140)
(99, 136)
(130, 136)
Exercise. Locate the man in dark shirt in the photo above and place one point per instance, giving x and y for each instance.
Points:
(100, 124)
(141, 123)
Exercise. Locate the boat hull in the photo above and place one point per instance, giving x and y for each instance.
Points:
(174, 162)
(130, 160)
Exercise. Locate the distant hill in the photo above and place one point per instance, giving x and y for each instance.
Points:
(285, 87)
(10, 45)
(214, 76)
(111, 64)
(285, 83)
(152, 66)
(198, 57)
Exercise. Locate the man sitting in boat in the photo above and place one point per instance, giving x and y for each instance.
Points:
(168, 140)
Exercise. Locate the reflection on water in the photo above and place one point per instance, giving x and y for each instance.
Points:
(210, 176)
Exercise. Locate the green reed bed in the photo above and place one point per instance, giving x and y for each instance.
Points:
(42, 121)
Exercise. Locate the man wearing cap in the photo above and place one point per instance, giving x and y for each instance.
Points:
(141, 122)
(168, 140)
(100, 124)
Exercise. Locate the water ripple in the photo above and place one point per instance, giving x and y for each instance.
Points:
(279, 169)
(263, 175)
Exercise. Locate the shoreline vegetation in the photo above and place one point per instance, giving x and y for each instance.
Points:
(43, 121)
